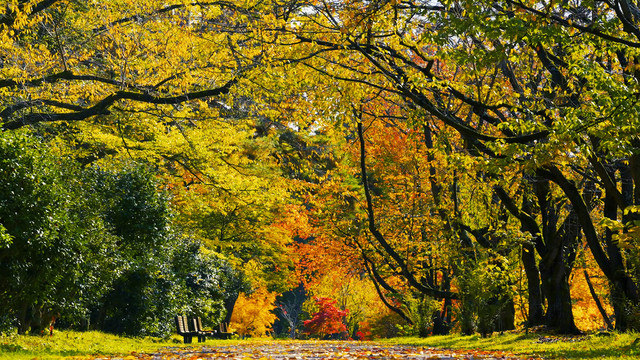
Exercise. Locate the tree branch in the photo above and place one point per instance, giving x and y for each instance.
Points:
(10, 18)
(375, 277)
(102, 107)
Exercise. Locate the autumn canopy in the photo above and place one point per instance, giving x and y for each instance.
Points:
(326, 169)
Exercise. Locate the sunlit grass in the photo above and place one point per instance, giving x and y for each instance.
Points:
(93, 344)
(80, 345)
(614, 346)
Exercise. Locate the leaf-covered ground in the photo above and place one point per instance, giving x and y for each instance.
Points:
(314, 350)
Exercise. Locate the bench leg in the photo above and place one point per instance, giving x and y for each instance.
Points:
(187, 339)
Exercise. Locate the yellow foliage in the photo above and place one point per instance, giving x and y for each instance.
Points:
(252, 314)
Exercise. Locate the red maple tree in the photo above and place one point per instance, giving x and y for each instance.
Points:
(327, 320)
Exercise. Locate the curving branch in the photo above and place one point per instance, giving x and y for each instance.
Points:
(587, 29)
(102, 106)
(408, 90)
(593, 240)
(379, 281)
(67, 75)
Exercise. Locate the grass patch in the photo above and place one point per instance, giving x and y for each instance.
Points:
(615, 346)
(81, 345)
(67, 344)
(93, 344)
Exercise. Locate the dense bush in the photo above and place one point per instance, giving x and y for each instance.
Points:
(95, 248)
(47, 233)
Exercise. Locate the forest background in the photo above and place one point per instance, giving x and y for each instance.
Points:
(399, 167)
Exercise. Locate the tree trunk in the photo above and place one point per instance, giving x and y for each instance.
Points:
(623, 307)
(555, 282)
(624, 293)
(536, 312)
(557, 260)
(23, 323)
(442, 318)
(229, 304)
(506, 315)
(528, 254)
(623, 286)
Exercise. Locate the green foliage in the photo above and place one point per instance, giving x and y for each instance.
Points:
(133, 206)
(96, 247)
(206, 279)
(486, 293)
(5, 238)
(421, 309)
(49, 230)
(160, 272)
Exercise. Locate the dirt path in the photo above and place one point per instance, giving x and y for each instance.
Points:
(313, 350)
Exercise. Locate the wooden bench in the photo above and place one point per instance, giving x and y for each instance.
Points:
(202, 333)
(183, 329)
(223, 331)
(220, 332)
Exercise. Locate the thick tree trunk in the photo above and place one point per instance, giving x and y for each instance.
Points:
(622, 305)
(555, 283)
(619, 300)
(528, 254)
(23, 322)
(613, 270)
(442, 319)
(557, 260)
(624, 293)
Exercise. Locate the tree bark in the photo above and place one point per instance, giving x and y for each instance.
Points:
(557, 260)
(535, 300)
(623, 287)
(555, 283)
(528, 254)
(229, 304)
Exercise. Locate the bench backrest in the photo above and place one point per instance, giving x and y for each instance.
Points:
(181, 324)
(223, 327)
(197, 324)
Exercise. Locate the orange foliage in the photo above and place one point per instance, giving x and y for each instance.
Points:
(586, 313)
(293, 220)
(322, 257)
